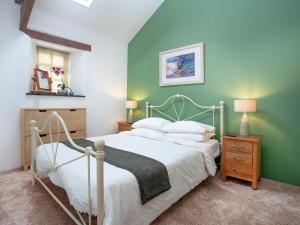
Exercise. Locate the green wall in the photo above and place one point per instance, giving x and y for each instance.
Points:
(252, 50)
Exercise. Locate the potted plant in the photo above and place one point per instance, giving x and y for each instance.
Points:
(62, 89)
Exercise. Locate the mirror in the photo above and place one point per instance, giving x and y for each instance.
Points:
(42, 79)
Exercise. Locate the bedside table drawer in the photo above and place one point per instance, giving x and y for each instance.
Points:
(238, 170)
(123, 126)
(239, 146)
(234, 157)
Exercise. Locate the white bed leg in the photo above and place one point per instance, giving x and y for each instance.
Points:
(33, 149)
(99, 144)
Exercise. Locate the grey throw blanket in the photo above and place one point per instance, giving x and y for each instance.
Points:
(152, 176)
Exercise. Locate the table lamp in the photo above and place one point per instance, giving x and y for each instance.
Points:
(245, 105)
(130, 105)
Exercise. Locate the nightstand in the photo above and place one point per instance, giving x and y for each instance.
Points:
(124, 126)
(241, 158)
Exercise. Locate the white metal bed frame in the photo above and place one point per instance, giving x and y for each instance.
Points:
(178, 97)
(88, 152)
(99, 154)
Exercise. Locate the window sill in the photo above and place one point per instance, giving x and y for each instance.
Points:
(54, 94)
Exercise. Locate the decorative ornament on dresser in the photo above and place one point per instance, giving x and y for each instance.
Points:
(183, 65)
(245, 105)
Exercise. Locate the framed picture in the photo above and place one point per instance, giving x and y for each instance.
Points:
(42, 80)
(183, 65)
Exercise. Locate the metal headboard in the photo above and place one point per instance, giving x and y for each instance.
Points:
(178, 114)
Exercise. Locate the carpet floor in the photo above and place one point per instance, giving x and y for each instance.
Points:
(212, 202)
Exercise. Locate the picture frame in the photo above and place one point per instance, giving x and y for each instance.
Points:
(184, 65)
(42, 80)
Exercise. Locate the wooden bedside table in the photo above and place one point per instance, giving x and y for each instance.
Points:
(124, 126)
(241, 158)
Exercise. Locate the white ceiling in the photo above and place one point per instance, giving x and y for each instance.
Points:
(120, 18)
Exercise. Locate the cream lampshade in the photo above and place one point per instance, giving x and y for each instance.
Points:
(130, 105)
(245, 105)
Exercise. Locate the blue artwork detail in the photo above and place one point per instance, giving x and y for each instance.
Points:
(180, 66)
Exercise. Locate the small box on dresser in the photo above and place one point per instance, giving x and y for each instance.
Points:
(241, 158)
(74, 118)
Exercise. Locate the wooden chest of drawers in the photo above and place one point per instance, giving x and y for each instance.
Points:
(74, 118)
(241, 158)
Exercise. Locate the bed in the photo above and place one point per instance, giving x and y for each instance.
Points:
(112, 193)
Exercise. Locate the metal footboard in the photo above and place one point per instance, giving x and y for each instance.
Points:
(87, 152)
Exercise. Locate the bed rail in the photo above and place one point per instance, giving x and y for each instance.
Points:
(87, 152)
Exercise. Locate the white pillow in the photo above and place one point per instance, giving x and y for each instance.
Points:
(191, 136)
(147, 133)
(188, 127)
(151, 123)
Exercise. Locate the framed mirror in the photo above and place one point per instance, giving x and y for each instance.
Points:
(42, 80)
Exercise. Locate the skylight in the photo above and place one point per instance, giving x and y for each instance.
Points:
(86, 3)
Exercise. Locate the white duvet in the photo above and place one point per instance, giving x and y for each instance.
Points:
(187, 167)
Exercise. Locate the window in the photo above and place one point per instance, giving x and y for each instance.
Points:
(56, 63)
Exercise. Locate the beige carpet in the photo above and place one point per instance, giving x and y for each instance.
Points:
(212, 202)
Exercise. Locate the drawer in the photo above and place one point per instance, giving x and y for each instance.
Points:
(46, 139)
(124, 127)
(74, 118)
(40, 117)
(238, 170)
(238, 146)
(74, 135)
(234, 157)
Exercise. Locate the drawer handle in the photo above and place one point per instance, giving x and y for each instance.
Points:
(72, 110)
(236, 146)
(73, 131)
(42, 110)
(237, 158)
(237, 171)
(43, 135)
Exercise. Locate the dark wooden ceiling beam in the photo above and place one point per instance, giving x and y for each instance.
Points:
(26, 9)
(58, 40)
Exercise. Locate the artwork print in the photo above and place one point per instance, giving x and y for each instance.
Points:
(183, 65)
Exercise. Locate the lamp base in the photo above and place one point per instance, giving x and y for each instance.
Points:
(130, 116)
(244, 129)
(244, 126)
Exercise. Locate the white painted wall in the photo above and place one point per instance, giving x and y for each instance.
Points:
(101, 75)
(78, 67)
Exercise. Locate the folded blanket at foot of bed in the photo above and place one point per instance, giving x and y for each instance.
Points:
(152, 176)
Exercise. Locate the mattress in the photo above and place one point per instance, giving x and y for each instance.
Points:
(187, 167)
